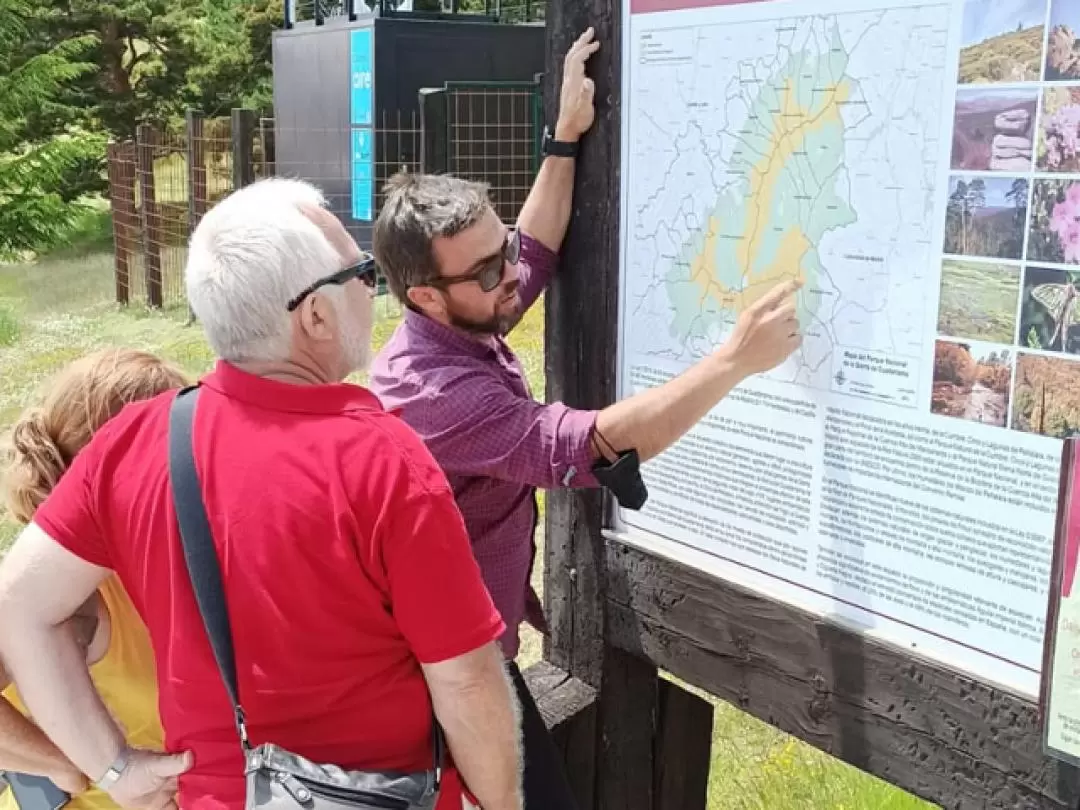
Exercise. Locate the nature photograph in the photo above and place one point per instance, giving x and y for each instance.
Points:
(1063, 44)
(1046, 395)
(978, 300)
(1059, 130)
(1050, 310)
(986, 216)
(971, 381)
(1055, 222)
(993, 130)
(1002, 41)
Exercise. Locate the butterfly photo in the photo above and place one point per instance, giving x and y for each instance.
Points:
(1050, 313)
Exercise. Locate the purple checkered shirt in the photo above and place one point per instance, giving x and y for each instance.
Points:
(469, 400)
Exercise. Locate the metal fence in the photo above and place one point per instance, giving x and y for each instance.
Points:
(163, 182)
(493, 132)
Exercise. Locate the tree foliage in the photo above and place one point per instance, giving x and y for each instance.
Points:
(35, 210)
(75, 73)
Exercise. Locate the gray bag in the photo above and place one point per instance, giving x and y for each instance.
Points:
(276, 778)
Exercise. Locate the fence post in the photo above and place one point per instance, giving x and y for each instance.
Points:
(196, 165)
(146, 139)
(243, 148)
(119, 186)
(269, 147)
(434, 149)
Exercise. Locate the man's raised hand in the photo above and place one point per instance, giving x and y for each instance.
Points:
(576, 109)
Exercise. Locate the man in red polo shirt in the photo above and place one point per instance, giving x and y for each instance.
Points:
(355, 601)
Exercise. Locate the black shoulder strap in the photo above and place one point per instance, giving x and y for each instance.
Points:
(199, 552)
(201, 558)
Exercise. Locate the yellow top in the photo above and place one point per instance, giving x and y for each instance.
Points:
(126, 679)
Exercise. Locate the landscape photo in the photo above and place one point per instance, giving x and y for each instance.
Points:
(971, 381)
(1050, 310)
(1059, 130)
(1063, 44)
(1046, 395)
(1055, 222)
(986, 216)
(993, 130)
(1002, 41)
(978, 300)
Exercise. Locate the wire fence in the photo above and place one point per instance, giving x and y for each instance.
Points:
(494, 133)
(163, 182)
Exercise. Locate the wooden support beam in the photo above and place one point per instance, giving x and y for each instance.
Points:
(921, 726)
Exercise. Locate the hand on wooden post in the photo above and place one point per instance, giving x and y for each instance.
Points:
(576, 109)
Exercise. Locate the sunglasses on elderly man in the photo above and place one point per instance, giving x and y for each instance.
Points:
(488, 272)
(364, 270)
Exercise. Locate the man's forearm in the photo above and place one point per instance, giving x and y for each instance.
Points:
(25, 748)
(546, 213)
(50, 671)
(653, 420)
(483, 730)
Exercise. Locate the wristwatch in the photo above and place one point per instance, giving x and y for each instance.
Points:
(115, 770)
(550, 146)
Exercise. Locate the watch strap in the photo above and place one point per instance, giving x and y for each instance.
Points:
(552, 147)
(115, 770)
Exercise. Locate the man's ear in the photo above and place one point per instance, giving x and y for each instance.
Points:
(425, 299)
(317, 317)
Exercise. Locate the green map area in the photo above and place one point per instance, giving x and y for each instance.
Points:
(768, 223)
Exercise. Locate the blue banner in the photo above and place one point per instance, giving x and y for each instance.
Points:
(361, 78)
(363, 175)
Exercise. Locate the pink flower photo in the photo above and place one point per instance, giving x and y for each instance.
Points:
(1055, 222)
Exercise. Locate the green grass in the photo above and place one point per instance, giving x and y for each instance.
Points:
(978, 301)
(63, 306)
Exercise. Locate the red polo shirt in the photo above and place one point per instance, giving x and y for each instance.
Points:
(346, 564)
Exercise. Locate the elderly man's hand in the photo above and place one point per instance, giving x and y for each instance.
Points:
(149, 782)
(576, 110)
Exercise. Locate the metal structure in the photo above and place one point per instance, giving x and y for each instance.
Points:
(321, 12)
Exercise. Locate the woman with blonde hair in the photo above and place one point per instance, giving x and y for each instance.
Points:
(39, 449)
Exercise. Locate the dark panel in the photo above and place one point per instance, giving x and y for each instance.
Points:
(311, 114)
(312, 94)
(413, 54)
(914, 723)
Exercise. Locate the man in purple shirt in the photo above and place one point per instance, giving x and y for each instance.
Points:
(466, 280)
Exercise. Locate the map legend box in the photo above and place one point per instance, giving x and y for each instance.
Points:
(876, 375)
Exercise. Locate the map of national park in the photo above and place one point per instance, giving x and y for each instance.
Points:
(772, 149)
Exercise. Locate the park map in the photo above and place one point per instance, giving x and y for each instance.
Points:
(917, 166)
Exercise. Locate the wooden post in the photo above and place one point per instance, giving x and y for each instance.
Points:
(581, 333)
(434, 148)
(146, 139)
(243, 142)
(117, 189)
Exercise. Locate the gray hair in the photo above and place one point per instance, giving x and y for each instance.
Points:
(418, 209)
(248, 257)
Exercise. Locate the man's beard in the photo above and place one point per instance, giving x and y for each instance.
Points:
(500, 325)
(355, 345)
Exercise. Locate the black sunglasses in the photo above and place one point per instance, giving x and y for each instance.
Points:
(489, 274)
(364, 270)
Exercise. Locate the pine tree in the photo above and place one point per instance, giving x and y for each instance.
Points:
(36, 164)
